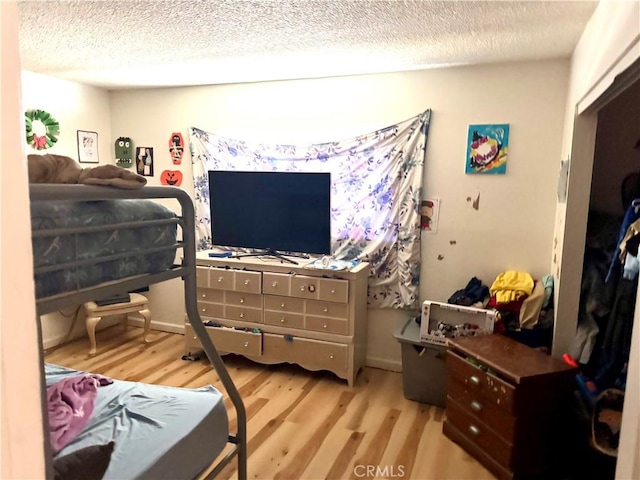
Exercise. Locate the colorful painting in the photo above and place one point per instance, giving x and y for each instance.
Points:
(487, 147)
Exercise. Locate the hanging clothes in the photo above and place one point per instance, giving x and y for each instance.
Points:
(631, 215)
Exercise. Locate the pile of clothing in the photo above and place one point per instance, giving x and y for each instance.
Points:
(522, 302)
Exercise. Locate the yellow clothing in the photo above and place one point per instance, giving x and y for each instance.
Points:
(511, 285)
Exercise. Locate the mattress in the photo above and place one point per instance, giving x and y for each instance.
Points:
(159, 432)
(60, 249)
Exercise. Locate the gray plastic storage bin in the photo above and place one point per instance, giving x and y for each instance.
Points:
(424, 376)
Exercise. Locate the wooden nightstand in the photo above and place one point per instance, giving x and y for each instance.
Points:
(95, 312)
(504, 403)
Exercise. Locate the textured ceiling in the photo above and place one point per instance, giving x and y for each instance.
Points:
(123, 44)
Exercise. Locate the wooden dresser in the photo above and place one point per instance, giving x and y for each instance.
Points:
(505, 404)
(275, 312)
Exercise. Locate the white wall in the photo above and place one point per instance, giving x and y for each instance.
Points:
(514, 225)
(22, 452)
(75, 107)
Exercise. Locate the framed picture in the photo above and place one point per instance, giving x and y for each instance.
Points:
(487, 147)
(87, 147)
(144, 161)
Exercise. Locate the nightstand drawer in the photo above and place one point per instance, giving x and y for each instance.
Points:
(503, 424)
(479, 433)
(493, 389)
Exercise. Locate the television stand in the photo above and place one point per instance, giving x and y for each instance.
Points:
(273, 253)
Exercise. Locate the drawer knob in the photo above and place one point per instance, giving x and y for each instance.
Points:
(274, 284)
(195, 338)
(242, 315)
(303, 288)
(312, 288)
(324, 325)
(331, 356)
(220, 279)
(282, 320)
(282, 305)
(473, 430)
(476, 406)
(204, 309)
(246, 282)
(333, 290)
(242, 300)
(246, 344)
(473, 380)
(204, 295)
(325, 309)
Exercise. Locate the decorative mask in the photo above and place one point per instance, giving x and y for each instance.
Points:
(124, 152)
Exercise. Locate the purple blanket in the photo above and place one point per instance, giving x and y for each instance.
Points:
(70, 405)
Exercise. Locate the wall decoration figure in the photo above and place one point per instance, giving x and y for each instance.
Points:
(487, 147)
(87, 147)
(171, 177)
(429, 210)
(176, 147)
(144, 161)
(124, 152)
(42, 129)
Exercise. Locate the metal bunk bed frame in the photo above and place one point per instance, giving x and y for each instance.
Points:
(186, 270)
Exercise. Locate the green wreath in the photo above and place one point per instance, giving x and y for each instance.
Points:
(50, 124)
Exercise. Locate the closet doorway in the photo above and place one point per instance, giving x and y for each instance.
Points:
(611, 129)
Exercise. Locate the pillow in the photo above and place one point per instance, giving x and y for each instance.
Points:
(89, 463)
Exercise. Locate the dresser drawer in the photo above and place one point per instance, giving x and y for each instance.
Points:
(241, 299)
(202, 276)
(333, 290)
(220, 279)
(284, 319)
(283, 304)
(250, 282)
(210, 295)
(304, 287)
(228, 340)
(493, 416)
(493, 389)
(311, 354)
(276, 283)
(211, 310)
(327, 309)
(479, 433)
(329, 325)
(243, 314)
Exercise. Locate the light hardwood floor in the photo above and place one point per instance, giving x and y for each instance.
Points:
(302, 425)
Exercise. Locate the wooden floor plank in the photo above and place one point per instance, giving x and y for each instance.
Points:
(301, 424)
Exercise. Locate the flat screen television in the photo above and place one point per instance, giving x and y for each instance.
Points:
(271, 211)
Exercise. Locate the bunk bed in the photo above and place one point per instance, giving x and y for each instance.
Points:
(157, 431)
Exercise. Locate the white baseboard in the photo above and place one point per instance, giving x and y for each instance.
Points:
(162, 326)
(383, 364)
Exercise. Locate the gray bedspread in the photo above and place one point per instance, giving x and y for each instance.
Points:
(61, 249)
